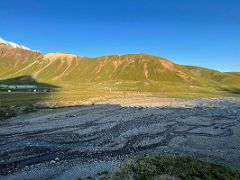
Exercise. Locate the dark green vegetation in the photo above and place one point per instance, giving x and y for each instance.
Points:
(12, 111)
(154, 167)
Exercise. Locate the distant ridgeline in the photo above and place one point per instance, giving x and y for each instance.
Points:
(21, 67)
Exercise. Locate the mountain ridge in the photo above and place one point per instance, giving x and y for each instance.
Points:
(14, 45)
(150, 72)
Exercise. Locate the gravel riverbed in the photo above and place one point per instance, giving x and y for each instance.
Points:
(73, 142)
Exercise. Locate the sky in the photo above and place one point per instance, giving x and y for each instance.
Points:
(190, 32)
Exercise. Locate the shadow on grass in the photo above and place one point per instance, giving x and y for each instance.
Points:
(17, 95)
(26, 80)
(231, 90)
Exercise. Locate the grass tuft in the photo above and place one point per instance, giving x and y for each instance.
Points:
(171, 167)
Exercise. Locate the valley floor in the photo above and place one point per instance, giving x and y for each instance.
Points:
(73, 142)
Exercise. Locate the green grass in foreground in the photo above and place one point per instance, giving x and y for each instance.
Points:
(169, 167)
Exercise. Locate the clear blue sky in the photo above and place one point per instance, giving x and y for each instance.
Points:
(195, 32)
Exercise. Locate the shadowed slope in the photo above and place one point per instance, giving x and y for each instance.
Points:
(26, 80)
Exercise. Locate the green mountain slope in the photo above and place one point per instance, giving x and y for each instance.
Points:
(137, 72)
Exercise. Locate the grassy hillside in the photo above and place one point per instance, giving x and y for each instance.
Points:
(132, 72)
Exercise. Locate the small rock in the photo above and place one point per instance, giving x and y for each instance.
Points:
(72, 115)
(57, 159)
(52, 161)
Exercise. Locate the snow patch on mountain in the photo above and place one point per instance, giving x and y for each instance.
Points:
(14, 45)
